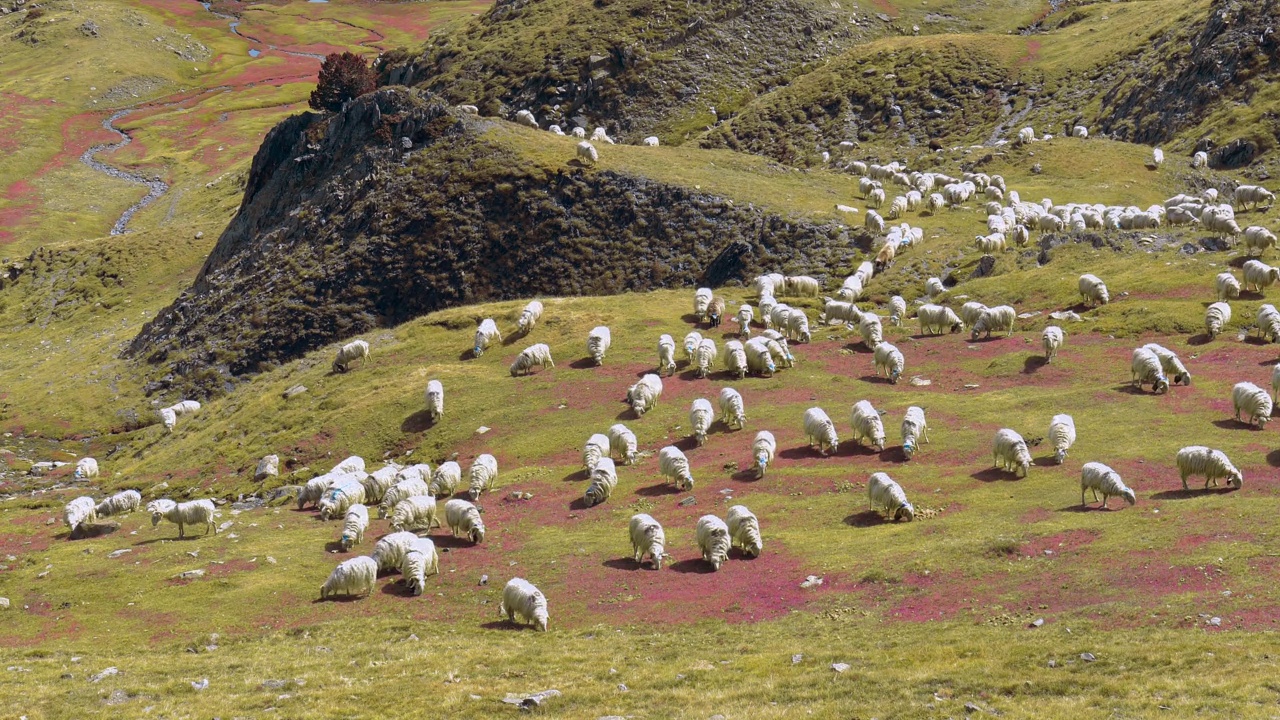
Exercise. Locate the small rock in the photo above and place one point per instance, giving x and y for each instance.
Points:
(109, 672)
(691, 500)
(1039, 622)
(4, 603)
(200, 684)
(295, 390)
(117, 553)
(1088, 657)
(484, 579)
(622, 687)
(811, 581)
(970, 386)
(840, 667)
(1053, 663)
(482, 429)
(190, 574)
(917, 381)
(795, 659)
(1025, 315)
(972, 707)
(225, 526)
(1215, 621)
(271, 560)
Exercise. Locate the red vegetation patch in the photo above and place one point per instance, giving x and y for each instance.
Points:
(1033, 52)
(936, 596)
(1060, 543)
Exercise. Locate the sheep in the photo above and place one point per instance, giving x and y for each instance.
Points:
(354, 524)
(666, 355)
(415, 513)
(529, 317)
(420, 560)
(777, 318)
(311, 492)
(798, 326)
(341, 495)
(484, 471)
(1157, 158)
(1212, 464)
(1171, 364)
(1009, 452)
(647, 538)
(770, 284)
(377, 483)
(1052, 338)
(390, 549)
(603, 480)
(587, 153)
(435, 401)
(701, 302)
(125, 501)
(525, 117)
(1062, 433)
(802, 286)
(933, 287)
(759, 356)
(401, 491)
(914, 428)
(598, 342)
(873, 222)
(1252, 195)
(643, 395)
(744, 531)
(597, 447)
(462, 516)
(897, 310)
(622, 443)
(538, 354)
(715, 312)
(1101, 479)
(875, 198)
(691, 345)
(651, 141)
(886, 254)
(971, 311)
(1216, 318)
(732, 412)
(713, 540)
(777, 345)
(186, 407)
(889, 359)
(555, 130)
(674, 466)
(349, 353)
(601, 135)
(888, 495)
(196, 512)
(445, 480)
(936, 319)
(1275, 382)
(840, 311)
(1258, 238)
(1146, 369)
(1252, 400)
(898, 207)
(934, 203)
(735, 358)
(706, 356)
(1093, 290)
(1080, 131)
(994, 242)
(78, 513)
(580, 133)
(86, 468)
(1000, 317)
(744, 317)
(1268, 322)
(1200, 159)
(870, 329)
(700, 417)
(168, 418)
(486, 335)
(867, 425)
(352, 577)
(1226, 286)
(521, 598)
(1026, 136)
(763, 448)
(820, 431)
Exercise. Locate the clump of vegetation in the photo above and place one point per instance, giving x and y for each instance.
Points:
(343, 77)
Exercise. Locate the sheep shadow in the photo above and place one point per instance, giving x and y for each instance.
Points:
(1046, 461)
(1033, 363)
(686, 444)
(452, 542)
(585, 363)
(1131, 389)
(341, 599)
(802, 452)
(877, 380)
(866, 518)
(508, 625)
(694, 566)
(511, 339)
(579, 503)
(417, 422)
(172, 538)
(626, 563)
(628, 414)
(691, 374)
(1233, 424)
(397, 588)
(1201, 339)
(858, 347)
(466, 355)
(577, 476)
(658, 490)
(88, 532)
(990, 338)
(334, 546)
(894, 454)
(852, 448)
(1252, 339)
(1190, 493)
(1078, 508)
(692, 319)
(994, 474)
(1273, 458)
(750, 474)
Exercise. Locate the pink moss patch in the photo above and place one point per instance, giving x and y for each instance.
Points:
(1060, 543)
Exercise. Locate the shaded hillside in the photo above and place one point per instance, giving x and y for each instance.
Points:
(342, 231)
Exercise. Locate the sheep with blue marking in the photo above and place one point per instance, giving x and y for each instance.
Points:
(886, 495)
(763, 448)
(486, 334)
(889, 360)
(914, 431)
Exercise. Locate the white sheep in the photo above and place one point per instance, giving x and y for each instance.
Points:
(914, 431)
(1000, 317)
(622, 443)
(732, 412)
(735, 358)
(706, 356)
(168, 418)
(1026, 136)
(820, 431)
(529, 317)
(995, 242)
(388, 552)
(419, 561)
(521, 598)
(1080, 131)
(580, 133)
(700, 417)
(587, 153)
(971, 311)
(435, 401)
(445, 480)
(1253, 401)
(526, 117)
(1146, 370)
(186, 407)
(1093, 290)
(1157, 158)
(937, 319)
(1258, 238)
(713, 540)
(354, 524)
(1246, 195)
(1062, 433)
(647, 538)
(313, 490)
(763, 448)
(651, 141)
(897, 310)
(486, 335)
(464, 517)
(1101, 479)
(871, 330)
(1052, 339)
(1009, 452)
(643, 395)
(341, 495)
(1216, 318)
(889, 497)
(598, 342)
(744, 530)
(1259, 275)
(798, 326)
(933, 287)
(78, 513)
(778, 314)
(86, 468)
(840, 311)
(701, 303)
(555, 130)
(1268, 322)
(777, 345)
(867, 424)
(352, 577)
(603, 480)
(403, 490)
(769, 284)
(889, 359)
(538, 354)
(759, 357)
(349, 353)
(744, 317)
(597, 447)
(1275, 383)
(483, 473)
(872, 221)
(1171, 364)
(802, 286)
(875, 198)
(666, 355)
(377, 483)
(1212, 464)
(1200, 159)
(123, 502)
(851, 289)
(415, 513)
(196, 512)
(601, 135)
(674, 466)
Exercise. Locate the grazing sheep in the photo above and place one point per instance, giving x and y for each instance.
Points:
(341, 495)
(851, 289)
(596, 448)
(802, 286)
(700, 417)
(484, 471)
(1026, 136)
(770, 284)
(871, 330)
(936, 319)
(873, 222)
(888, 495)
(529, 317)
(1157, 158)
(867, 425)
(86, 468)
(897, 310)
(1216, 318)
(79, 512)
(1258, 238)
(1093, 290)
(1062, 433)
(992, 243)
(1146, 370)
(401, 491)
(886, 254)
(377, 483)
(526, 118)
(840, 311)
(914, 429)
(763, 448)
(1080, 131)
(732, 412)
(538, 354)
(744, 317)
(587, 153)
(521, 598)
(759, 357)
(598, 342)
(313, 490)
(971, 311)
(186, 407)
(622, 443)
(713, 540)
(356, 576)
(435, 401)
(1009, 452)
(706, 356)
(875, 198)
(647, 538)
(268, 466)
(651, 141)
(445, 480)
(580, 133)
(168, 418)
(603, 480)
(486, 335)
(1101, 479)
(1052, 338)
(123, 502)
(1268, 322)
(674, 466)
(196, 512)
(1000, 317)
(1200, 159)
(462, 516)
(778, 315)
(1212, 464)
(898, 207)
(820, 431)
(889, 359)
(389, 551)
(691, 342)
(415, 513)
(643, 395)
(735, 358)
(349, 353)
(1259, 275)
(1254, 195)
(777, 345)
(715, 312)
(1253, 401)
(798, 326)
(744, 531)
(701, 303)
(420, 560)
(933, 287)
(601, 135)
(666, 355)
(555, 130)
(1171, 364)
(767, 304)
(353, 526)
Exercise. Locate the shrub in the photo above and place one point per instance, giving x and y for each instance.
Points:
(343, 76)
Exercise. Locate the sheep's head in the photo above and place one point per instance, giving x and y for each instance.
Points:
(1236, 479)
(477, 532)
(905, 512)
(1160, 386)
(957, 326)
(1182, 378)
(877, 441)
(347, 541)
(805, 336)
(1129, 496)
(976, 331)
(515, 368)
(478, 350)
(540, 618)
(762, 462)
(908, 448)
(592, 497)
(893, 377)
(1060, 455)
(1024, 465)
(686, 480)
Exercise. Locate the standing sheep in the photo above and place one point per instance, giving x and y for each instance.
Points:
(1253, 401)
(871, 330)
(603, 480)
(759, 357)
(889, 359)
(675, 467)
(744, 531)
(1146, 370)
(389, 551)
(933, 287)
(1093, 290)
(529, 317)
(1171, 364)
(897, 310)
(914, 430)
(1052, 339)
(349, 353)
(1216, 318)
(820, 431)
(538, 354)
(1157, 158)
(643, 396)
(1101, 479)
(936, 319)
(666, 355)
(622, 443)
(587, 153)
(1268, 323)
(415, 513)
(403, 490)
(1258, 238)
(971, 311)
(701, 303)
(1080, 131)
(1200, 159)
(596, 448)
(196, 512)
(867, 425)
(86, 468)
(1212, 464)
(647, 538)
(445, 480)
(732, 412)
(1062, 433)
(1275, 383)
(79, 513)
(763, 448)
(735, 358)
(888, 495)
(352, 577)
(798, 326)
(486, 335)
(520, 598)
(341, 495)
(744, 317)
(1000, 317)
(598, 342)
(706, 356)
(484, 471)
(715, 313)
(464, 517)
(1259, 275)
(713, 540)
(691, 342)
(420, 560)
(700, 417)
(435, 401)
(123, 502)
(354, 524)
(377, 483)
(1009, 452)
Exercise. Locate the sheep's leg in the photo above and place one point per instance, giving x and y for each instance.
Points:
(180, 533)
